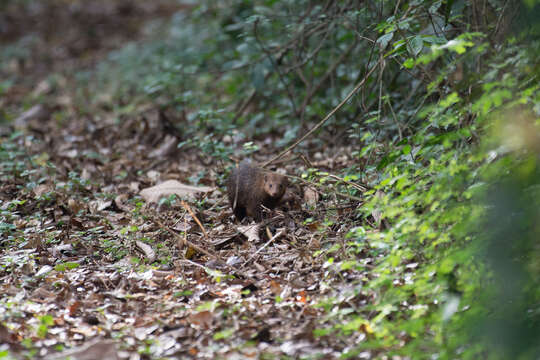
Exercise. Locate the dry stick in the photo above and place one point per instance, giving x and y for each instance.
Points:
(499, 19)
(400, 133)
(244, 106)
(361, 188)
(279, 233)
(379, 107)
(321, 123)
(312, 184)
(329, 72)
(200, 249)
(185, 240)
(188, 209)
(274, 65)
(309, 56)
(194, 263)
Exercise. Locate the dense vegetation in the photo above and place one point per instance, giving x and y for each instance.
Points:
(429, 174)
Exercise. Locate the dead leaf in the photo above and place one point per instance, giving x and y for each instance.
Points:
(38, 112)
(74, 206)
(120, 202)
(311, 196)
(182, 226)
(134, 186)
(71, 153)
(275, 287)
(85, 175)
(190, 253)
(250, 231)
(166, 148)
(99, 349)
(154, 175)
(301, 297)
(202, 319)
(74, 307)
(42, 87)
(42, 189)
(141, 333)
(146, 250)
(154, 193)
(56, 251)
(5, 335)
(44, 270)
(99, 205)
(313, 226)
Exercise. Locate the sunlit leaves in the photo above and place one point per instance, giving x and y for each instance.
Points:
(66, 266)
(45, 322)
(416, 44)
(385, 39)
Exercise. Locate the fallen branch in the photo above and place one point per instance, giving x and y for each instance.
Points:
(188, 209)
(278, 234)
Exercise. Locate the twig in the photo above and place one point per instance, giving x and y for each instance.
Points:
(278, 234)
(188, 209)
(330, 70)
(194, 263)
(201, 250)
(274, 65)
(321, 123)
(347, 196)
(361, 188)
(499, 19)
(244, 105)
(383, 65)
(400, 133)
(184, 240)
(313, 53)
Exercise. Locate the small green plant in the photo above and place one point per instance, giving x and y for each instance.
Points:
(45, 322)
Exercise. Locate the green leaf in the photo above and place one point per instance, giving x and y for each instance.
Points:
(66, 266)
(224, 334)
(46, 320)
(385, 39)
(406, 149)
(409, 63)
(415, 45)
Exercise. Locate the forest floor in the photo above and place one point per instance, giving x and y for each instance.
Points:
(92, 268)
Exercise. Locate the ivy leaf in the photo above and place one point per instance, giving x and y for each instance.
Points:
(406, 149)
(409, 63)
(385, 39)
(415, 45)
(258, 77)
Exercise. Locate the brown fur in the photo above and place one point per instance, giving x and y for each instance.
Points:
(249, 187)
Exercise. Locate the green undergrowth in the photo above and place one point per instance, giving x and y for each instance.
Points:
(459, 273)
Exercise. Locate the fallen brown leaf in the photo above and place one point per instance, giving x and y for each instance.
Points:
(169, 187)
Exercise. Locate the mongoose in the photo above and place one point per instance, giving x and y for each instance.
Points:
(249, 187)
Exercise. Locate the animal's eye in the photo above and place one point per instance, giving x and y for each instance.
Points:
(270, 186)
